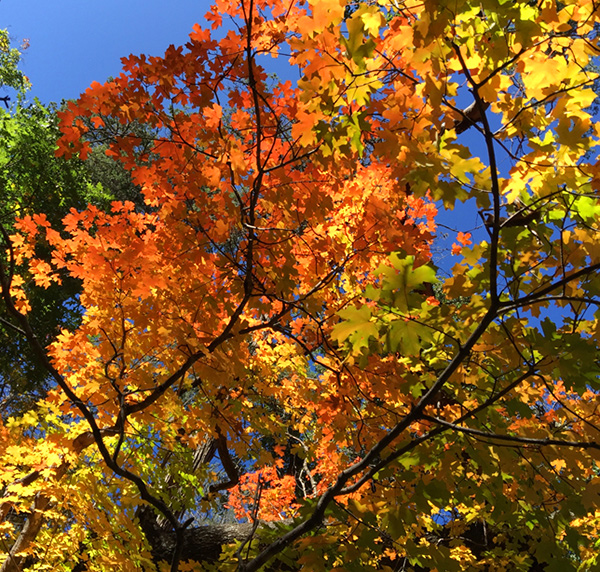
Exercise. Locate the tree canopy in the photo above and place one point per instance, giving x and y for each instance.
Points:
(276, 367)
(34, 180)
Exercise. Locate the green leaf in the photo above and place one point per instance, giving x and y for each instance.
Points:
(356, 327)
(402, 280)
(406, 337)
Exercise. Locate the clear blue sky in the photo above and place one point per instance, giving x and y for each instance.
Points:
(76, 42)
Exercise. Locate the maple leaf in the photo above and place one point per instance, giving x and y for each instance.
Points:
(356, 327)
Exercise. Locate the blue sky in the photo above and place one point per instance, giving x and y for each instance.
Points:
(76, 42)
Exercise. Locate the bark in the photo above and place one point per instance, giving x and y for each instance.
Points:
(470, 116)
(14, 561)
(201, 544)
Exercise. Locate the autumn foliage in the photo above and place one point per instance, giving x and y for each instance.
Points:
(277, 334)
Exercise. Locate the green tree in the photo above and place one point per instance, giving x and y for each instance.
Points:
(10, 74)
(34, 180)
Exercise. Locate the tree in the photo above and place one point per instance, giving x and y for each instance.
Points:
(34, 180)
(268, 331)
(11, 76)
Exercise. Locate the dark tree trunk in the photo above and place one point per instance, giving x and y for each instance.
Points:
(202, 543)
